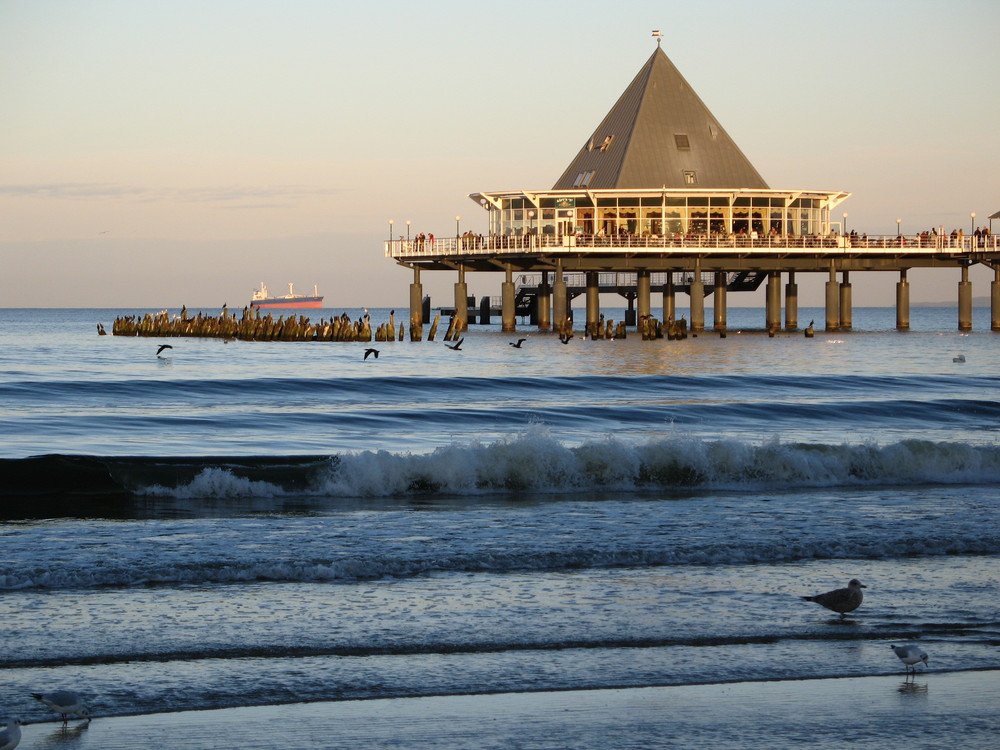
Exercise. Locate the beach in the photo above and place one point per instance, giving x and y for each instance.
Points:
(928, 711)
(592, 544)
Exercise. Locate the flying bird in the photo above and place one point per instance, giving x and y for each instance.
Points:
(457, 345)
(162, 347)
(10, 736)
(371, 351)
(516, 345)
(910, 655)
(841, 600)
(64, 703)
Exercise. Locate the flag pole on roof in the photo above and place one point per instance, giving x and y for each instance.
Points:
(658, 35)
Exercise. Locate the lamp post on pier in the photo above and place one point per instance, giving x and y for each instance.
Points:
(845, 223)
(972, 218)
(408, 230)
(390, 229)
(458, 233)
(898, 222)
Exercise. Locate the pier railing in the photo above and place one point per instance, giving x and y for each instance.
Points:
(708, 244)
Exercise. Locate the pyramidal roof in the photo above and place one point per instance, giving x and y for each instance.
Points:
(660, 134)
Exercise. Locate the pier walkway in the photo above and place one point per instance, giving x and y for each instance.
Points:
(551, 270)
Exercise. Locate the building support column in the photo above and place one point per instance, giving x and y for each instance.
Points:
(791, 303)
(560, 309)
(719, 301)
(593, 303)
(507, 317)
(902, 302)
(965, 301)
(846, 322)
(544, 303)
(697, 292)
(772, 313)
(669, 303)
(995, 300)
(416, 307)
(832, 301)
(642, 294)
(461, 302)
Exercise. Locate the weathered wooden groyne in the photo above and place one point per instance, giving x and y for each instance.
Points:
(250, 325)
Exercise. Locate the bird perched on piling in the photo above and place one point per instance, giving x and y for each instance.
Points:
(810, 332)
(910, 655)
(10, 736)
(517, 344)
(841, 600)
(457, 345)
(162, 347)
(371, 351)
(64, 703)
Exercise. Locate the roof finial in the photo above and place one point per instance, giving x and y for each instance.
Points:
(658, 35)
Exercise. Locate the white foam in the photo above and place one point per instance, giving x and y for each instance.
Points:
(535, 461)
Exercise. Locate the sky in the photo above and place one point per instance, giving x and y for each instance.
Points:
(159, 153)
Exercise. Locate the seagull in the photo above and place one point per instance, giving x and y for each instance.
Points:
(457, 345)
(518, 344)
(910, 655)
(10, 736)
(162, 347)
(565, 337)
(371, 351)
(959, 358)
(64, 703)
(841, 600)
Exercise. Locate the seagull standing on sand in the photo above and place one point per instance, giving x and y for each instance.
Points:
(841, 600)
(910, 655)
(10, 736)
(64, 703)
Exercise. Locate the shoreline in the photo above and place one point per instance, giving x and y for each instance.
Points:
(927, 710)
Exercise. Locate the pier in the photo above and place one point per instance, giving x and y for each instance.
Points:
(660, 200)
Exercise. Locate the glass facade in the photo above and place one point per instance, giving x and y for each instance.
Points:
(666, 214)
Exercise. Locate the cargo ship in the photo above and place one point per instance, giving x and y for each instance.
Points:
(261, 298)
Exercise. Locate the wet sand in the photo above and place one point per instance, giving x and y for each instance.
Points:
(932, 710)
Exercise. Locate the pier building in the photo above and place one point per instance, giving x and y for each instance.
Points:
(660, 200)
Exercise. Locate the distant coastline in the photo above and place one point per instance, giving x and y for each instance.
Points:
(976, 302)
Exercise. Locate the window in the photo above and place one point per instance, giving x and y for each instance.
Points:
(587, 178)
(690, 177)
(713, 130)
(607, 142)
(682, 141)
(579, 179)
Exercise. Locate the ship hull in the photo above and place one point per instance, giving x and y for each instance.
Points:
(298, 302)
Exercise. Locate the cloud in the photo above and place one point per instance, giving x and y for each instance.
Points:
(270, 196)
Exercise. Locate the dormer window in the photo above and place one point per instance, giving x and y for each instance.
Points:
(607, 142)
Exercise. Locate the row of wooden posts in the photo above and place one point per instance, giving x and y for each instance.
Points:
(252, 326)
(649, 328)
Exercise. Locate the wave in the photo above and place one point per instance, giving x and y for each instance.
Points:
(413, 388)
(532, 462)
(202, 568)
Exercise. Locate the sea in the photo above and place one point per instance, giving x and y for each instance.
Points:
(238, 524)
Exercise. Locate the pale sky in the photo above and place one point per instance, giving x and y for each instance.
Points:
(155, 153)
